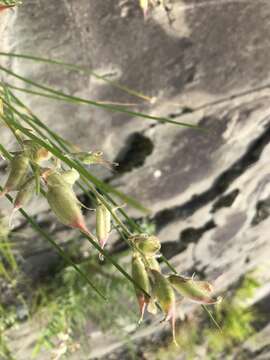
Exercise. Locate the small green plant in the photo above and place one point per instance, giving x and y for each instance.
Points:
(235, 317)
(66, 305)
(8, 275)
(48, 165)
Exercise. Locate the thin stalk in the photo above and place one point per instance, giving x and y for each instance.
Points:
(81, 69)
(112, 108)
(211, 317)
(18, 88)
(171, 267)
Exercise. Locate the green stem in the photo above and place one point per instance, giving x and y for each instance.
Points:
(81, 69)
(95, 103)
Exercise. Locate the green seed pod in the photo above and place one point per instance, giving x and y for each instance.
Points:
(163, 292)
(93, 157)
(36, 153)
(153, 263)
(149, 245)
(103, 224)
(197, 291)
(63, 201)
(152, 307)
(140, 276)
(19, 167)
(25, 194)
(70, 176)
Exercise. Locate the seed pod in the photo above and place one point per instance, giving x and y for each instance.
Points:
(152, 307)
(162, 291)
(63, 201)
(197, 291)
(70, 176)
(24, 196)
(164, 294)
(149, 245)
(103, 224)
(93, 157)
(19, 167)
(153, 263)
(36, 153)
(140, 276)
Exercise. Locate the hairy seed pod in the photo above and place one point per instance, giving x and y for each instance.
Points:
(25, 193)
(140, 276)
(152, 307)
(63, 201)
(162, 291)
(70, 176)
(93, 157)
(24, 196)
(153, 263)
(103, 224)
(164, 294)
(36, 153)
(197, 291)
(19, 167)
(149, 245)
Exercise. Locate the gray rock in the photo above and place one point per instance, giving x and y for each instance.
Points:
(210, 68)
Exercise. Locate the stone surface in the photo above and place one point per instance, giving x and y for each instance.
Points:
(208, 190)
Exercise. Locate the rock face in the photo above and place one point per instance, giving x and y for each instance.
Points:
(208, 190)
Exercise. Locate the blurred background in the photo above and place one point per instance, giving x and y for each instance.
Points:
(202, 62)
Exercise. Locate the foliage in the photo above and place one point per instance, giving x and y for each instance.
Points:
(235, 318)
(67, 304)
(56, 165)
(8, 272)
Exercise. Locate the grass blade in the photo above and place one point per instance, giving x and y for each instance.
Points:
(112, 108)
(80, 69)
